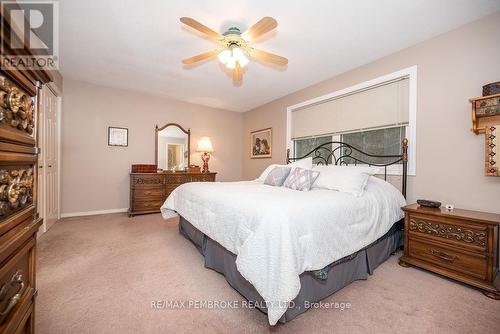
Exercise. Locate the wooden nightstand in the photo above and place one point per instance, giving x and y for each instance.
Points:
(459, 244)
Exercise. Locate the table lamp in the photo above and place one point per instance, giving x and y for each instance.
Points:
(205, 146)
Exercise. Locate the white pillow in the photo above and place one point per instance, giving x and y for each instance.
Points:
(370, 170)
(266, 172)
(305, 163)
(349, 179)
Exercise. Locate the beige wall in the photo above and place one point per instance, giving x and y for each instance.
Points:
(450, 159)
(94, 176)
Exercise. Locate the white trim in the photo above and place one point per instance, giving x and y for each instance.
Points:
(59, 120)
(411, 132)
(92, 213)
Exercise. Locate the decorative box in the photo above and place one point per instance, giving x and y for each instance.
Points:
(488, 107)
(485, 112)
(144, 168)
(491, 89)
(194, 169)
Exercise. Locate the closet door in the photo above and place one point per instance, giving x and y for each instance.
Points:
(49, 156)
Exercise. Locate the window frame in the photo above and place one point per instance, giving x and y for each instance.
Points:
(410, 129)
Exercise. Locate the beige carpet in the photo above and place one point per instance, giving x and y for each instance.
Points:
(100, 274)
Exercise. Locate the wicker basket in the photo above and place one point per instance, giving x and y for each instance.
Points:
(491, 89)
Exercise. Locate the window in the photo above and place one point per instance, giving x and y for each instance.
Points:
(374, 117)
(304, 146)
(387, 141)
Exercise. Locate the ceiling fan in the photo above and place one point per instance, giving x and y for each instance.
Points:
(235, 46)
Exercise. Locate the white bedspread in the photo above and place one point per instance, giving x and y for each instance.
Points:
(278, 233)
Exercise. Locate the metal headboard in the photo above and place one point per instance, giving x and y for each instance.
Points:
(343, 150)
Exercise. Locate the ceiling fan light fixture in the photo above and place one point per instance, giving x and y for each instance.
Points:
(231, 63)
(224, 56)
(243, 61)
(234, 50)
(240, 57)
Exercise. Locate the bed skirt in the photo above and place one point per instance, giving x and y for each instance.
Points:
(340, 273)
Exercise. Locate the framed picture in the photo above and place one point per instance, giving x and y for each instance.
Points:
(261, 143)
(117, 136)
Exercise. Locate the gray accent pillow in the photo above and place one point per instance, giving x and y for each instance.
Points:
(277, 176)
(301, 179)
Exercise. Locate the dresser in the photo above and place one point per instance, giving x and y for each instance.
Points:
(19, 220)
(148, 191)
(459, 244)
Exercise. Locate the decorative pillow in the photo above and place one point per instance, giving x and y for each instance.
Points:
(301, 179)
(302, 163)
(277, 176)
(344, 178)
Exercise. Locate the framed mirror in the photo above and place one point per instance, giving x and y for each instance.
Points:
(172, 147)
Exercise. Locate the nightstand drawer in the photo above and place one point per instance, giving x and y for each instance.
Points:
(470, 264)
(458, 233)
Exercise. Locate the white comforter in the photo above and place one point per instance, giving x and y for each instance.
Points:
(278, 233)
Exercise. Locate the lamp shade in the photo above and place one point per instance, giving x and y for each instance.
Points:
(205, 145)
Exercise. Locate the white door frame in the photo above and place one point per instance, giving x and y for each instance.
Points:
(59, 119)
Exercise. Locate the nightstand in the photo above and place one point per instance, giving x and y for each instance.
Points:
(459, 244)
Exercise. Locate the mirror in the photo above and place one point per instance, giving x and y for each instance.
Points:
(172, 147)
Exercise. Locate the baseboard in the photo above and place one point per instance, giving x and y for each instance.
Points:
(92, 213)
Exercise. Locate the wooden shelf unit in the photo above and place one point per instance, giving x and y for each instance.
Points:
(479, 120)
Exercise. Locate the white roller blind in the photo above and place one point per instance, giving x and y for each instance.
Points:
(383, 105)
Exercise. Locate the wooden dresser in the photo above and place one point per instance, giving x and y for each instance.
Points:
(148, 191)
(459, 244)
(19, 221)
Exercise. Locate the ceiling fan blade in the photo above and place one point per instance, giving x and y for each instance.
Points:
(260, 28)
(201, 28)
(237, 73)
(200, 57)
(269, 57)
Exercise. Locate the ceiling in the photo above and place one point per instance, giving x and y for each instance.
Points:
(139, 45)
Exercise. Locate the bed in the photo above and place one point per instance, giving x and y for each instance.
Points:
(284, 249)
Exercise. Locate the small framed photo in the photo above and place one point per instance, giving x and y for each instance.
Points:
(117, 136)
(261, 143)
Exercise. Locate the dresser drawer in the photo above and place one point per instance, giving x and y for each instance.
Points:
(176, 179)
(148, 193)
(203, 178)
(17, 285)
(457, 233)
(16, 184)
(470, 264)
(17, 112)
(170, 187)
(147, 181)
(147, 205)
(27, 322)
